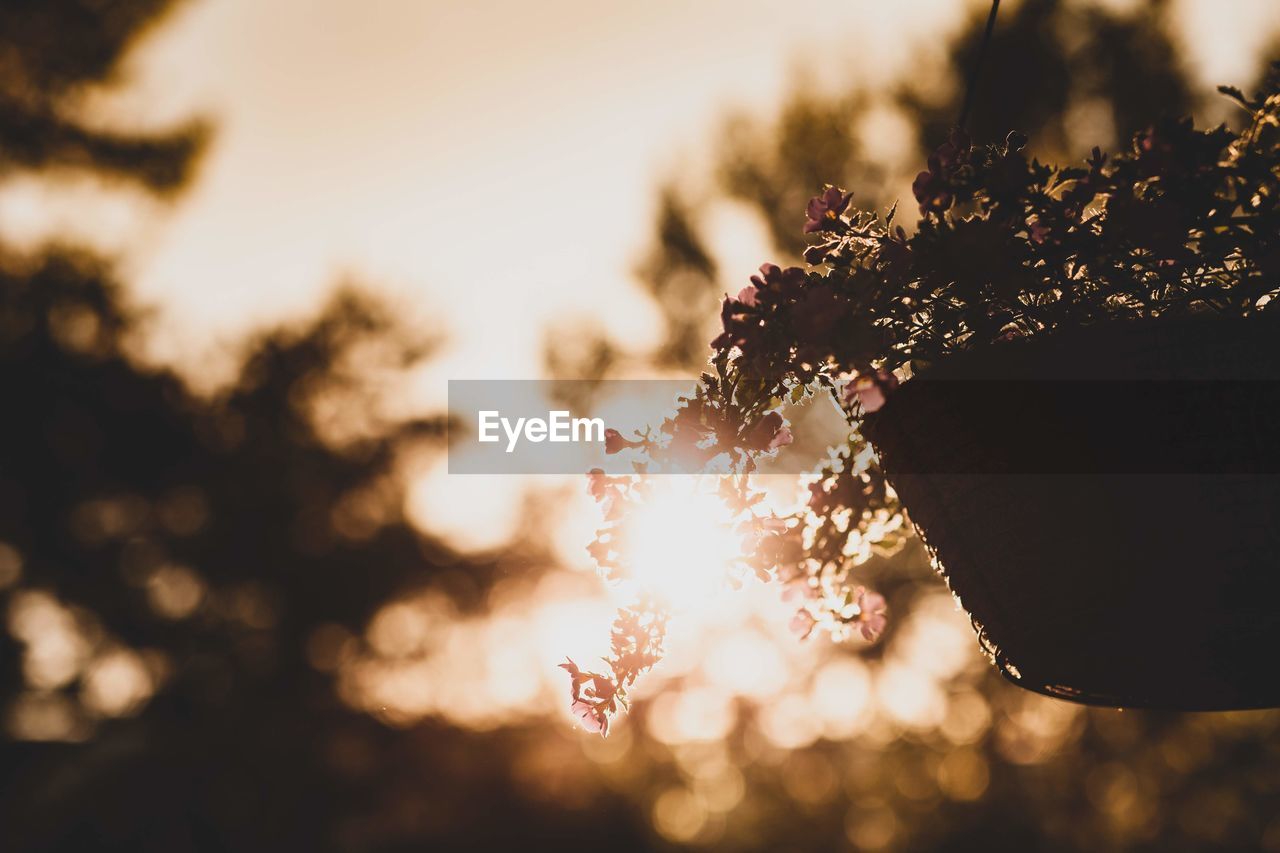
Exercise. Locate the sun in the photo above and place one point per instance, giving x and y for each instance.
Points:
(681, 543)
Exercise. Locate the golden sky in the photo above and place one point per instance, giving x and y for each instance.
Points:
(491, 164)
(494, 163)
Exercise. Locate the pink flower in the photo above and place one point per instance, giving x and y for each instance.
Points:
(797, 591)
(576, 678)
(775, 280)
(869, 395)
(597, 484)
(823, 212)
(747, 296)
(768, 434)
(932, 188)
(1037, 231)
(932, 191)
(605, 490)
(754, 531)
(1010, 333)
(870, 619)
(590, 717)
(802, 624)
(870, 390)
(614, 442)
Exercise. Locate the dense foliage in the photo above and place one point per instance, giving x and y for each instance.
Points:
(1006, 247)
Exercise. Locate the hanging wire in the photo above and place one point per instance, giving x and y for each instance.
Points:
(977, 65)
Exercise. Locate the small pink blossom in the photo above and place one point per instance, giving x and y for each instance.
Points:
(869, 395)
(614, 442)
(1037, 231)
(597, 483)
(768, 434)
(870, 390)
(601, 486)
(870, 619)
(933, 187)
(754, 531)
(823, 211)
(605, 490)
(590, 717)
(802, 624)
(1010, 333)
(576, 678)
(747, 296)
(775, 280)
(797, 591)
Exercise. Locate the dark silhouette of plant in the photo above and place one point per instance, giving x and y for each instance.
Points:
(205, 543)
(1071, 75)
(1185, 221)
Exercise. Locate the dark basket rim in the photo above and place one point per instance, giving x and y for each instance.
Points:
(1168, 339)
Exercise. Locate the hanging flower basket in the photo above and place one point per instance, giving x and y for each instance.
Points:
(1066, 377)
(1105, 503)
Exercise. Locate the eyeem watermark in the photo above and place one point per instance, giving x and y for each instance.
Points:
(558, 426)
(537, 426)
(548, 426)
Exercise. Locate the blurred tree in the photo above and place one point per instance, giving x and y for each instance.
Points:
(204, 543)
(680, 276)
(167, 561)
(52, 50)
(1070, 74)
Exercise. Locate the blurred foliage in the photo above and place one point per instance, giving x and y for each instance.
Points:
(167, 561)
(680, 276)
(51, 50)
(201, 544)
(1070, 75)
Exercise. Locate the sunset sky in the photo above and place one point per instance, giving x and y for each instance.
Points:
(491, 167)
(262, 607)
(485, 161)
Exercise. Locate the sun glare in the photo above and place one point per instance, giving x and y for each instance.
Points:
(681, 544)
